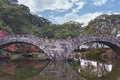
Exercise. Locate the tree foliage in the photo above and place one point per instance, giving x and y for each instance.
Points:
(104, 25)
(69, 29)
(18, 17)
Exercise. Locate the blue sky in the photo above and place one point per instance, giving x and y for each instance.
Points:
(61, 11)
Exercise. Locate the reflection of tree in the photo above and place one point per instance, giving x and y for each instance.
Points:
(115, 73)
(91, 69)
(8, 68)
(87, 69)
(21, 70)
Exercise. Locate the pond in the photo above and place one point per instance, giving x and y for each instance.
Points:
(67, 70)
(94, 70)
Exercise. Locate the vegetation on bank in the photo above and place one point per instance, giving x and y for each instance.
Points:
(21, 51)
(97, 54)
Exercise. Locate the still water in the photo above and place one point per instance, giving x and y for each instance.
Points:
(48, 70)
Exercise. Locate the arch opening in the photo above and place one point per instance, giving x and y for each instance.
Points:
(110, 50)
(24, 50)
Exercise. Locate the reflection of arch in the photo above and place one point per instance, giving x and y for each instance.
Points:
(23, 39)
(113, 43)
(92, 70)
(114, 74)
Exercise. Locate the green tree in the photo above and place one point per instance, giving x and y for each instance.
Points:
(69, 29)
(104, 25)
(19, 19)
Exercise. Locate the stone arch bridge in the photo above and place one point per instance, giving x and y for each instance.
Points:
(60, 49)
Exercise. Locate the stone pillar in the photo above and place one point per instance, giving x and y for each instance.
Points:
(59, 56)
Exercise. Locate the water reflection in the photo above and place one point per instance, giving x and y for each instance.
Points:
(46, 70)
(20, 69)
(93, 70)
(37, 70)
(57, 71)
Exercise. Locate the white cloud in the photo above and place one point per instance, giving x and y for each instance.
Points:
(99, 2)
(31, 4)
(40, 15)
(111, 12)
(41, 5)
(85, 18)
(80, 6)
(58, 5)
(74, 1)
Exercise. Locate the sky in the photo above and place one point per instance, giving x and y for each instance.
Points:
(61, 11)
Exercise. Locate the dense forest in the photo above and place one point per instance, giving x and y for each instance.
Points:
(16, 19)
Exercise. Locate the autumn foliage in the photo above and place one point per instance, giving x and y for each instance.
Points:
(29, 49)
(25, 49)
(11, 48)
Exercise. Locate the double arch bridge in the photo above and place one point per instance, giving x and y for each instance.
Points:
(60, 49)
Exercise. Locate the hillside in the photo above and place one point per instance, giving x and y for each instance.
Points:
(16, 19)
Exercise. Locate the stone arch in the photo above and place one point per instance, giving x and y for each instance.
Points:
(113, 43)
(7, 41)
